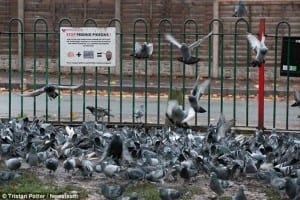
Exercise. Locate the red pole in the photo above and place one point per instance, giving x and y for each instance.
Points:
(261, 81)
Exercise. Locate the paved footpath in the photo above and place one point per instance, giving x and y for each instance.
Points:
(152, 108)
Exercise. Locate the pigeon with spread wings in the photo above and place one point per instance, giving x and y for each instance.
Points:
(259, 48)
(50, 90)
(177, 116)
(186, 50)
(196, 93)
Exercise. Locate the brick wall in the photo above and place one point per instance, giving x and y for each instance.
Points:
(152, 11)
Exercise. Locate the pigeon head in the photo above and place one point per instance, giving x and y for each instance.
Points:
(91, 109)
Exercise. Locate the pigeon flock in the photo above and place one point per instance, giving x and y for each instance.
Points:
(168, 157)
(161, 156)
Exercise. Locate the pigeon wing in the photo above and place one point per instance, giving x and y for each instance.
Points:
(190, 115)
(138, 47)
(198, 42)
(34, 93)
(171, 39)
(150, 48)
(171, 105)
(254, 42)
(199, 88)
(71, 87)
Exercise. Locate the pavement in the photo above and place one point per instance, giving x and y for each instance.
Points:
(152, 83)
(123, 107)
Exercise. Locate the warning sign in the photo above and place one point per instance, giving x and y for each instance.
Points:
(87, 46)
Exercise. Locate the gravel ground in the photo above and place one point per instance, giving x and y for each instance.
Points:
(254, 189)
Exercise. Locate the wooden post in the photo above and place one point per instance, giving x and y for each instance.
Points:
(215, 56)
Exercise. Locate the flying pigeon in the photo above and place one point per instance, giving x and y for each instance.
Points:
(99, 112)
(259, 48)
(240, 10)
(186, 50)
(196, 93)
(177, 115)
(50, 90)
(297, 99)
(143, 51)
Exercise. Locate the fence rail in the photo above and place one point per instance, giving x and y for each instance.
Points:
(72, 106)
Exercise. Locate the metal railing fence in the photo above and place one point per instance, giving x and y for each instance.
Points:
(154, 106)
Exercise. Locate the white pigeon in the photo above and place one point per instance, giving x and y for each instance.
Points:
(177, 115)
(259, 48)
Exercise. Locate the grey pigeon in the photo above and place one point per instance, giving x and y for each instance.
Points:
(177, 115)
(223, 126)
(135, 173)
(277, 183)
(6, 176)
(99, 112)
(111, 170)
(187, 173)
(69, 164)
(215, 184)
(117, 150)
(142, 51)
(196, 93)
(32, 157)
(240, 195)
(113, 192)
(13, 163)
(169, 194)
(86, 167)
(133, 196)
(290, 188)
(186, 50)
(139, 113)
(50, 90)
(240, 9)
(259, 48)
(156, 176)
(297, 100)
(51, 164)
